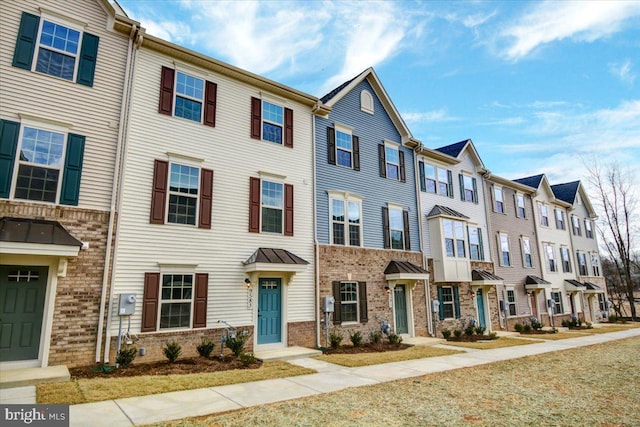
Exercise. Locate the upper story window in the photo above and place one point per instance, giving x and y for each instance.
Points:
(595, 264)
(582, 263)
(366, 101)
(187, 96)
(271, 122)
(511, 302)
(526, 252)
(396, 227)
(498, 199)
(475, 243)
(468, 189)
(505, 251)
(270, 206)
(343, 147)
(588, 229)
(391, 161)
(544, 214)
(435, 180)
(454, 238)
(549, 252)
(346, 221)
(58, 50)
(566, 259)
(559, 219)
(575, 226)
(183, 194)
(520, 210)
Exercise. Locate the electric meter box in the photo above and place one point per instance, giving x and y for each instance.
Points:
(435, 306)
(127, 304)
(328, 304)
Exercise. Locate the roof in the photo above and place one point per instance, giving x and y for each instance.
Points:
(274, 256)
(334, 92)
(531, 181)
(592, 286)
(26, 230)
(574, 285)
(478, 274)
(535, 280)
(566, 192)
(403, 266)
(443, 210)
(454, 150)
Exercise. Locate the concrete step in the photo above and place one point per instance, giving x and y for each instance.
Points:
(286, 353)
(11, 378)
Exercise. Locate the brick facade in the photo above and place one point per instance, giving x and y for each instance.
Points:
(302, 334)
(77, 299)
(340, 263)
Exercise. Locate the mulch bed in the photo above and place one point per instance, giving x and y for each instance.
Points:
(471, 338)
(180, 366)
(365, 348)
(538, 332)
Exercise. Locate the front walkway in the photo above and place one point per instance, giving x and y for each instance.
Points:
(182, 404)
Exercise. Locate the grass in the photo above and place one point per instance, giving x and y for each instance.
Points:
(366, 359)
(499, 343)
(560, 335)
(98, 389)
(587, 386)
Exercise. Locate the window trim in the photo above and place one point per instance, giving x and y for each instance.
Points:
(527, 239)
(182, 162)
(557, 302)
(498, 190)
(502, 235)
(543, 210)
(512, 304)
(397, 208)
(595, 266)
(191, 74)
(356, 302)
(390, 145)
(588, 228)
(565, 257)
(559, 218)
(347, 131)
(582, 255)
(263, 205)
(347, 198)
(366, 101)
(63, 21)
(480, 244)
(575, 225)
(162, 301)
(550, 261)
(436, 179)
(455, 302)
(463, 176)
(520, 196)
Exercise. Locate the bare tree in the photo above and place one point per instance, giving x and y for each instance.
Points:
(616, 200)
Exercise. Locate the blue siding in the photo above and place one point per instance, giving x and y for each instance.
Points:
(377, 191)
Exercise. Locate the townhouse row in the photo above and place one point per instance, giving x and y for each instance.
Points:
(151, 191)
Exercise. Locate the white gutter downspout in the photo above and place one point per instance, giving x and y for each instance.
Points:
(115, 184)
(316, 249)
(138, 43)
(425, 261)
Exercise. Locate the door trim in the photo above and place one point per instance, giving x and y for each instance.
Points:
(283, 312)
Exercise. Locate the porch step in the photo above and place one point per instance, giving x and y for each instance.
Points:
(287, 353)
(426, 341)
(31, 376)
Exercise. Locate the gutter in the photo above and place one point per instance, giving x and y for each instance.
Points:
(315, 232)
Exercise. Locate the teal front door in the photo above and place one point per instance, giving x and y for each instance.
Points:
(400, 303)
(22, 293)
(269, 311)
(480, 300)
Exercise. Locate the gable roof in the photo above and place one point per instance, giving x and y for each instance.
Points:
(456, 150)
(531, 181)
(540, 182)
(567, 191)
(443, 210)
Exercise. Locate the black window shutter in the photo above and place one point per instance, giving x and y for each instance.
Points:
(456, 301)
(206, 198)
(210, 96)
(88, 59)
(159, 192)
(256, 118)
(288, 127)
(403, 171)
(475, 190)
(362, 300)
(423, 180)
(288, 210)
(254, 204)
(382, 161)
(150, 302)
(481, 248)
(331, 146)
(461, 179)
(450, 179)
(385, 227)
(9, 132)
(167, 81)
(337, 316)
(441, 300)
(72, 170)
(200, 300)
(26, 41)
(407, 238)
(356, 152)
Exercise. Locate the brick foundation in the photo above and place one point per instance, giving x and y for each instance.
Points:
(302, 334)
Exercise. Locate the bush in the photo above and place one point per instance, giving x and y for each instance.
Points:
(375, 337)
(589, 325)
(493, 336)
(613, 318)
(394, 339)
(536, 325)
(457, 333)
(480, 330)
(468, 331)
(565, 323)
(518, 327)
(335, 339)
(247, 359)
(356, 338)
(125, 357)
(526, 328)
(172, 351)
(236, 344)
(205, 348)
(446, 334)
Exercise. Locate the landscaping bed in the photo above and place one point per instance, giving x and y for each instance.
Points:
(365, 348)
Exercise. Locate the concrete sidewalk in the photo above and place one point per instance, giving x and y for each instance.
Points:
(182, 404)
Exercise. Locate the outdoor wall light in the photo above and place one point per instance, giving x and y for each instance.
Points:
(387, 290)
(247, 283)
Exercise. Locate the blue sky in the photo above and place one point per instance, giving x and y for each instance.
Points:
(539, 87)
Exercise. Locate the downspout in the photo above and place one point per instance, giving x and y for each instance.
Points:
(123, 161)
(427, 290)
(487, 200)
(115, 184)
(315, 232)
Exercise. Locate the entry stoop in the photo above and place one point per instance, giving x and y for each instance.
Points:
(33, 376)
(286, 353)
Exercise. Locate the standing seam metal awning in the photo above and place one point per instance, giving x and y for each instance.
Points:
(401, 269)
(36, 237)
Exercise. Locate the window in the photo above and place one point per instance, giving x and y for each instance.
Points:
(183, 194)
(445, 183)
(602, 305)
(449, 298)
(351, 302)
(582, 264)
(189, 97)
(566, 259)
(366, 102)
(396, 228)
(395, 222)
(344, 149)
(346, 222)
(520, 211)
(498, 199)
(559, 219)
(476, 252)
(391, 161)
(595, 264)
(39, 165)
(505, 253)
(454, 238)
(551, 260)
(57, 50)
(271, 122)
(468, 189)
(588, 230)
(557, 299)
(175, 304)
(435, 180)
(270, 206)
(575, 225)
(511, 302)
(526, 252)
(544, 214)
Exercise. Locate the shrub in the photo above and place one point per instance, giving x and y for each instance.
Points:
(480, 330)
(613, 318)
(236, 344)
(536, 325)
(125, 357)
(446, 334)
(493, 336)
(356, 338)
(554, 330)
(375, 337)
(335, 339)
(457, 333)
(526, 328)
(394, 339)
(468, 331)
(518, 327)
(589, 325)
(247, 359)
(205, 348)
(565, 323)
(172, 351)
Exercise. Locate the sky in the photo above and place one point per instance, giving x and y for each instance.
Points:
(539, 87)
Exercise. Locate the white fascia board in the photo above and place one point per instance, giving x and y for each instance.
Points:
(20, 248)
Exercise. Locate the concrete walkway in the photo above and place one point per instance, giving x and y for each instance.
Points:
(182, 404)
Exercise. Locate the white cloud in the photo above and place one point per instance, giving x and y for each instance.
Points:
(552, 21)
(623, 71)
(175, 32)
(509, 121)
(428, 116)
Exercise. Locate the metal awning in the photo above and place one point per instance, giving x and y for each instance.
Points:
(280, 260)
(401, 269)
(573, 285)
(592, 288)
(27, 236)
(484, 278)
(532, 283)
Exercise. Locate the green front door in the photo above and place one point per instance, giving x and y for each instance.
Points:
(22, 293)
(400, 303)
(269, 311)
(481, 317)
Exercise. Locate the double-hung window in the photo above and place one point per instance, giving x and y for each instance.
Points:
(449, 298)
(575, 225)
(395, 222)
(557, 303)
(498, 199)
(468, 188)
(559, 219)
(544, 214)
(189, 97)
(435, 180)
(392, 159)
(271, 122)
(550, 255)
(475, 243)
(58, 49)
(344, 149)
(396, 228)
(511, 302)
(526, 252)
(595, 264)
(505, 252)
(566, 259)
(582, 263)
(272, 206)
(349, 302)
(588, 230)
(346, 220)
(176, 299)
(520, 210)
(602, 305)
(454, 238)
(183, 194)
